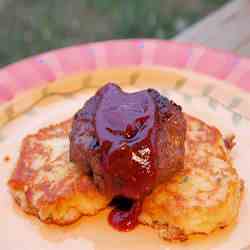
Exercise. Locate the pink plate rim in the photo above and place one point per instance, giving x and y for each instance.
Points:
(44, 68)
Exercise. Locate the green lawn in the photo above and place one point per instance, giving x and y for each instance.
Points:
(28, 27)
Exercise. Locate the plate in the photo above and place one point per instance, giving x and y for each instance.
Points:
(51, 87)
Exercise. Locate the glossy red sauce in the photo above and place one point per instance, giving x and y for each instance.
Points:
(125, 220)
(126, 125)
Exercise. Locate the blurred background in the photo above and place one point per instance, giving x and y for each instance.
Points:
(28, 27)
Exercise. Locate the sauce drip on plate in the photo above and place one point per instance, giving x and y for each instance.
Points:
(125, 220)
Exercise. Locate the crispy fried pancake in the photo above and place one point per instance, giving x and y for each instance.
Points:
(46, 184)
(201, 198)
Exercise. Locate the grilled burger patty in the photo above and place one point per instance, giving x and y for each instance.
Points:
(85, 148)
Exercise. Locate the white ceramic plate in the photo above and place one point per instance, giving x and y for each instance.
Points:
(19, 231)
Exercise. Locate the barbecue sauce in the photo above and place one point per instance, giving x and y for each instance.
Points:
(125, 220)
(126, 126)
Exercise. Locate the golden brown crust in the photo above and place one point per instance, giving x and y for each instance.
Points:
(201, 198)
(46, 184)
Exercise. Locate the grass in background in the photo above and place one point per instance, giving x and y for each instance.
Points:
(28, 27)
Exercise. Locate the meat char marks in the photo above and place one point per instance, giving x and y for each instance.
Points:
(166, 136)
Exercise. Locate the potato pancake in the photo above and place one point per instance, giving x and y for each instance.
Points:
(204, 196)
(201, 198)
(46, 184)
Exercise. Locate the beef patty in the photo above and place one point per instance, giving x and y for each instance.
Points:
(86, 148)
